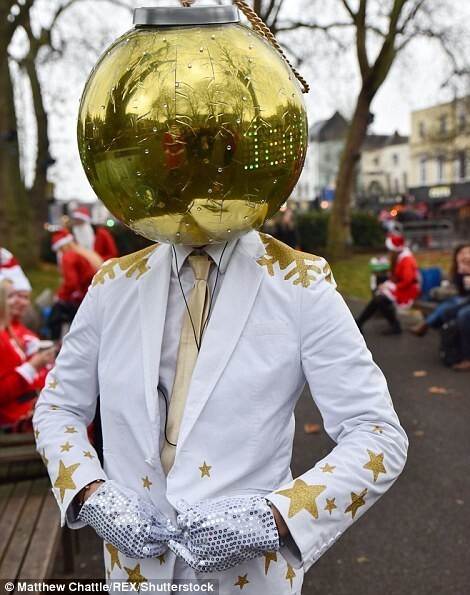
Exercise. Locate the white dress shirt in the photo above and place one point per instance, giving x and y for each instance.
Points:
(220, 255)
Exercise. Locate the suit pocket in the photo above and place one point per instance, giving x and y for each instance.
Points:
(265, 328)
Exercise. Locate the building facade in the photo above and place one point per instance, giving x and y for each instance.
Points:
(384, 171)
(440, 152)
(326, 142)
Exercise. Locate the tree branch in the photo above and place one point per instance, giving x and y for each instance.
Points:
(361, 39)
(388, 51)
(291, 26)
(349, 9)
(20, 18)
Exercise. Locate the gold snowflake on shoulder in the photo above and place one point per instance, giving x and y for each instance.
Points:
(136, 262)
(303, 272)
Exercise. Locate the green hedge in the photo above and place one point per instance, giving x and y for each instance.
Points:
(367, 232)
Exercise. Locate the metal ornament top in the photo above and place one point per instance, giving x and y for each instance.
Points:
(178, 16)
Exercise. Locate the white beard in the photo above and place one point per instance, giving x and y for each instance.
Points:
(84, 235)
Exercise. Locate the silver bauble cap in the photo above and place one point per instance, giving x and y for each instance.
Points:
(167, 16)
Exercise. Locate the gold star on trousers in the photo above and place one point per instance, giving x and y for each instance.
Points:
(327, 468)
(36, 433)
(53, 384)
(87, 454)
(146, 482)
(290, 575)
(268, 558)
(356, 502)
(330, 505)
(205, 469)
(134, 577)
(375, 464)
(378, 429)
(70, 430)
(302, 496)
(64, 479)
(114, 553)
(161, 558)
(66, 447)
(242, 581)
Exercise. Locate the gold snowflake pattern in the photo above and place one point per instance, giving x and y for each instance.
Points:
(132, 263)
(303, 272)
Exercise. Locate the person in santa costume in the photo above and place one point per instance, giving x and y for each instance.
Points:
(78, 266)
(20, 372)
(399, 291)
(20, 303)
(99, 239)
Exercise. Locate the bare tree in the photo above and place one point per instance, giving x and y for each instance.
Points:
(380, 30)
(23, 205)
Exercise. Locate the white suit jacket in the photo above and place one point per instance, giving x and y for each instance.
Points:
(277, 323)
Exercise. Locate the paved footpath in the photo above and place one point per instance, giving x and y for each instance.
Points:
(416, 539)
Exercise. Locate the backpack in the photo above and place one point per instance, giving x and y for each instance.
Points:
(449, 349)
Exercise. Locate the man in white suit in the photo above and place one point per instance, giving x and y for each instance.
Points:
(275, 322)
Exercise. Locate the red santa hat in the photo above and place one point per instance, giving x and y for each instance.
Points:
(395, 243)
(82, 213)
(11, 270)
(61, 238)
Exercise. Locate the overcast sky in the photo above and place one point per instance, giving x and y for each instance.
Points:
(413, 83)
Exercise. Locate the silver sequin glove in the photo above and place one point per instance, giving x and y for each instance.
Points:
(220, 533)
(130, 523)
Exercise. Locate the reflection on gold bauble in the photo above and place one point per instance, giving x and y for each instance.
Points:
(192, 134)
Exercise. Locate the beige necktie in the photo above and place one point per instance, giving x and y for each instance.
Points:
(190, 338)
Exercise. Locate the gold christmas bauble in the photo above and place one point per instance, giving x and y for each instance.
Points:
(192, 134)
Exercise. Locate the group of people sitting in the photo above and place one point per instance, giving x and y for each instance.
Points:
(455, 308)
(402, 288)
(25, 359)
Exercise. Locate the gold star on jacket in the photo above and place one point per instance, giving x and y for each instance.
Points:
(270, 331)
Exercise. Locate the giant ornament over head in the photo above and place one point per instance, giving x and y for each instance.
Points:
(192, 128)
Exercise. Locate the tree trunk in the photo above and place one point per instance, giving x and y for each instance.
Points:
(15, 207)
(37, 193)
(339, 244)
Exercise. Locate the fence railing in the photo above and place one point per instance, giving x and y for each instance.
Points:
(429, 234)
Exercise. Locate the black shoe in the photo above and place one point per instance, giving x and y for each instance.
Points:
(393, 330)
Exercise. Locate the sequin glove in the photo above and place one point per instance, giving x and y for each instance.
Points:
(220, 533)
(123, 519)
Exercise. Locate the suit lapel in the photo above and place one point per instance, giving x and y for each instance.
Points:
(232, 309)
(153, 297)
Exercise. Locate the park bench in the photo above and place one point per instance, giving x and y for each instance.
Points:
(30, 529)
(29, 518)
(18, 458)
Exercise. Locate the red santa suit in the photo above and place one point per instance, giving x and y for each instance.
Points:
(403, 286)
(105, 245)
(77, 272)
(31, 345)
(17, 381)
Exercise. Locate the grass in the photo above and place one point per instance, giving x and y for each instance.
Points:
(45, 277)
(352, 275)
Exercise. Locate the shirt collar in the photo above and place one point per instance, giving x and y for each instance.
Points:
(218, 251)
